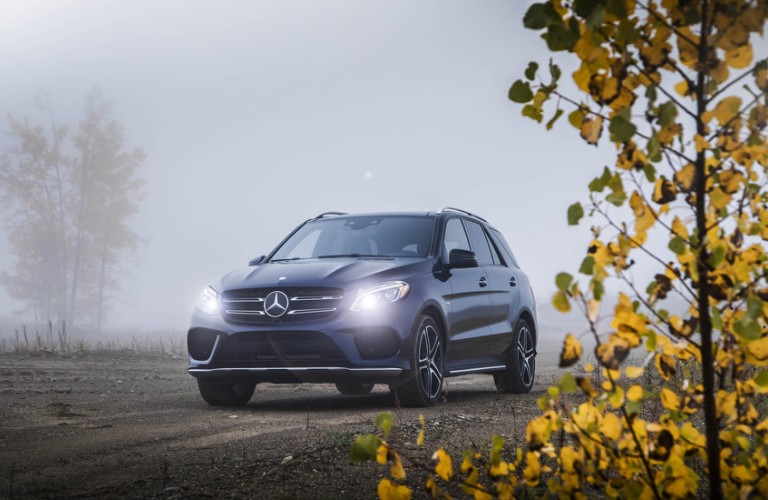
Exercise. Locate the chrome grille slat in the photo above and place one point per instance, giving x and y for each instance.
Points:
(312, 311)
(316, 298)
(244, 301)
(248, 313)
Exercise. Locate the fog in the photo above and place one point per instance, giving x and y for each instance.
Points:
(258, 115)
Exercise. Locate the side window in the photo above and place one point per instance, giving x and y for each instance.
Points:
(479, 243)
(455, 237)
(504, 248)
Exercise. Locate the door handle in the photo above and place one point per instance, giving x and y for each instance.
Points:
(512, 281)
(483, 282)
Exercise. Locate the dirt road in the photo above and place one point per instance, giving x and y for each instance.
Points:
(122, 424)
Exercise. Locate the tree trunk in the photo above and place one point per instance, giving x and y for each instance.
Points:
(712, 427)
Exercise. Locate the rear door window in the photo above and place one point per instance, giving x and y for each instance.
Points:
(479, 243)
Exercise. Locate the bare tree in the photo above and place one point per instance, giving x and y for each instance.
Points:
(67, 202)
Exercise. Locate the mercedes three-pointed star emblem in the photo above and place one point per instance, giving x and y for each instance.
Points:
(276, 304)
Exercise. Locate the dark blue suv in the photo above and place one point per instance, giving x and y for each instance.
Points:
(403, 299)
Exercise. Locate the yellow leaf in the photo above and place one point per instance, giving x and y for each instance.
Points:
(444, 467)
(665, 364)
(560, 301)
(701, 143)
(719, 199)
(571, 352)
(761, 79)
(726, 404)
(757, 351)
(591, 129)
(635, 393)
(397, 471)
(636, 203)
(616, 398)
(381, 453)
(724, 111)
(634, 371)
(589, 367)
(611, 426)
(581, 76)
(537, 432)
(586, 386)
(593, 309)
(682, 88)
(612, 352)
(740, 57)
(500, 469)
(664, 191)
(532, 471)
(670, 400)
(570, 459)
(685, 177)
(388, 490)
(720, 72)
(730, 180)
(420, 440)
(679, 228)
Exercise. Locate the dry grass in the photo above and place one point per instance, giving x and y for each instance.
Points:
(59, 341)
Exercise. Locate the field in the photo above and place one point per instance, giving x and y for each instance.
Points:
(122, 423)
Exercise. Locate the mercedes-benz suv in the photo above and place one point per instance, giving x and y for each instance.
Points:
(402, 299)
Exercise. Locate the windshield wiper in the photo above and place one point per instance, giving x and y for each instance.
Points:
(353, 255)
(285, 260)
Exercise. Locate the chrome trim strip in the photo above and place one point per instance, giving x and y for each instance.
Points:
(483, 369)
(323, 297)
(228, 301)
(297, 369)
(245, 313)
(312, 311)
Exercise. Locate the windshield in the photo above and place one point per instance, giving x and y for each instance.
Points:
(369, 236)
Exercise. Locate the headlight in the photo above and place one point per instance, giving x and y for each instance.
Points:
(385, 293)
(208, 301)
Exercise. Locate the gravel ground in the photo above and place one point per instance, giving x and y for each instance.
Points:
(109, 424)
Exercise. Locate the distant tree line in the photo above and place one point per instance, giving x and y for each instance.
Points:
(67, 194)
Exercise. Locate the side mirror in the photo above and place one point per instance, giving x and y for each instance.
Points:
(459, 258)
(258, 260)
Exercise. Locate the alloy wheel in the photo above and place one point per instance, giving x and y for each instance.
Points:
(430, 361)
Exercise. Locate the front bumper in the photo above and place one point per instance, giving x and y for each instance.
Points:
(349, 346)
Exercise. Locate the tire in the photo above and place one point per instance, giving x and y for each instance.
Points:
(425, 387)
(354, 388)
(521, 362)
(217, 393)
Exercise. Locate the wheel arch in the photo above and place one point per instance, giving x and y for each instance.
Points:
(436, 314)
(528, 316)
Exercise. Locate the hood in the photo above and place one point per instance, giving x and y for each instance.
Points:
(337, 272)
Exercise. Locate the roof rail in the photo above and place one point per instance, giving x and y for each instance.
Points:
(454, 209)
(325, 214)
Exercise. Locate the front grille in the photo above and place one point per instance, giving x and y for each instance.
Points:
(278, 348)
(247, 306)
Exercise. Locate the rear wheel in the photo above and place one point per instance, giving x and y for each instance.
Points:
(354, 388)
(426, 385)
(218, 393)
(521, 362)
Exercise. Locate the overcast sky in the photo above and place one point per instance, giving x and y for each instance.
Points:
(258, 115)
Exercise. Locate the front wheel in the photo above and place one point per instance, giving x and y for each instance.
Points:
(218, 393)
(426, 386)
(521, 362)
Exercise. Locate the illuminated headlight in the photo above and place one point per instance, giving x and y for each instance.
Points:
(208, 301)
(385, 293)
